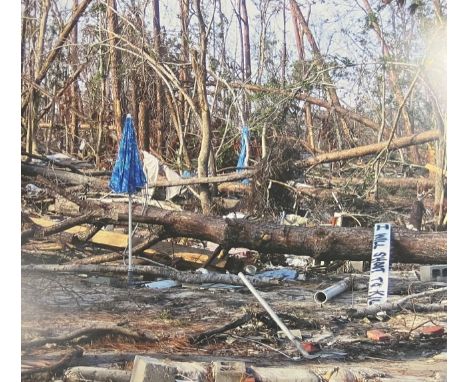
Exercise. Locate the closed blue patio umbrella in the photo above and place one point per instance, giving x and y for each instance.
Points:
(128, 176)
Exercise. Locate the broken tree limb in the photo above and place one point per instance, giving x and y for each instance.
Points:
(91, 332)
(76, 352)
(205, 180)
(375, 148)
(59, 227)
(186, 277)
(312, 100)
(324, 243)
(201, 337)
(64, 176)
(72, 167)
(398, 305)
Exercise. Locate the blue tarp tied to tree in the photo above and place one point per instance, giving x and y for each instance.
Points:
(128, 175)
(243, 159)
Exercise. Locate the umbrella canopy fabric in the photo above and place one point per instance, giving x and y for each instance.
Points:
(128, 175)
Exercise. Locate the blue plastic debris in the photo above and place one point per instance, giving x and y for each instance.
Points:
(283, 274)
(163, 284)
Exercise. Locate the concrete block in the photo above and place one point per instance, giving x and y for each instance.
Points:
(224, 371)
(146, 369)
(433, 273)
(279, 374)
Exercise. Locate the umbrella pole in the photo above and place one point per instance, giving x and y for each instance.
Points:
(130, 266)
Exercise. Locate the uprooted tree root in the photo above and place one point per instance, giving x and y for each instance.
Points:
(267, 196)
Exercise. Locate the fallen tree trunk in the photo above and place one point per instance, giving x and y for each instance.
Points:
(205, 180)
(186, 277)
(91, 332)
(64, 176)
(322, 243)
(59, 227)
(375, 148)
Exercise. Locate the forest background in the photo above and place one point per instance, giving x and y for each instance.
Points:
(365, 94)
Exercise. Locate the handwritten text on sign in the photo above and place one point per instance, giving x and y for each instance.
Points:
(378, 281)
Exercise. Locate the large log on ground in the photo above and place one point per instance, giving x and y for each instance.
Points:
(64, 176)
(323, 243)
(185, 277)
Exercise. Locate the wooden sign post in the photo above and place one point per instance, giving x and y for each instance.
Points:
(380, 265)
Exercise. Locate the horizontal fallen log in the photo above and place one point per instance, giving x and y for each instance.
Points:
(397, 143)
(205, 180)
(400, 304)
(322, 243)
(185, 277)
(91, 332)
(385, 182)
(96, 374)
(59, 227)
(53, 162)
(63, 176)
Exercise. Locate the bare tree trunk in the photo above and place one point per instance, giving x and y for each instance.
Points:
(24, 23)
(284, 55)
(143, 126)
(102, 106)
(246, 51)
(199, 66)
(160, 99)
(374, 148)
(31, 143)
(74, 141)
(393, 76)
(322, 65)
(112, 26)
(246, 40)
(307, 107)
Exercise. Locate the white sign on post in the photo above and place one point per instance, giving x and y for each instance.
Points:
(380, 264)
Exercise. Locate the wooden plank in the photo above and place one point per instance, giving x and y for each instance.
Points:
(119, 240)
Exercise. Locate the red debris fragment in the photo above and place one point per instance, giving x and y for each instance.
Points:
(378, 335)
(433, 330)
(310, 347)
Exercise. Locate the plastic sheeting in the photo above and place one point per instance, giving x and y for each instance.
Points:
(243, 160)
(153, 169)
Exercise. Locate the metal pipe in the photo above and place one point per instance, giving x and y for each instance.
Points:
(130, 266)
(275, 317)
(324, 295)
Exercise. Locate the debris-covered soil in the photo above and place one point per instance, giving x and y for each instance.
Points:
(166, 323)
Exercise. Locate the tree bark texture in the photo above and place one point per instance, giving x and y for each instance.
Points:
(112, 25)
(186, 277)
(64, 176)
(322, 243)
(199, 66)
(415, 139)
(321, 65)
